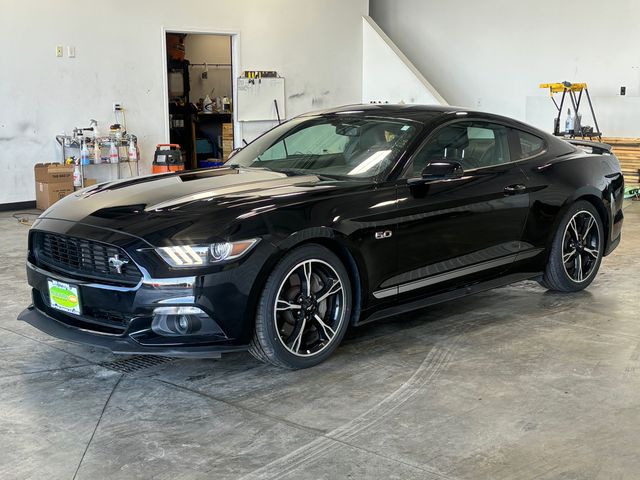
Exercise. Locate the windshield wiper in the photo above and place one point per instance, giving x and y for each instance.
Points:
(237, 166)
(300, 171)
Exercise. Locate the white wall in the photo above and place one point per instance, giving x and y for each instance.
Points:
(212, 49)
(492, 55)
(316, 45)
(387, 74)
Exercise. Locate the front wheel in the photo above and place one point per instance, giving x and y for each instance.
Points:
(304, 309)
(577, 249)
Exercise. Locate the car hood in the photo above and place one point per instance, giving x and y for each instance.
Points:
(188, 206)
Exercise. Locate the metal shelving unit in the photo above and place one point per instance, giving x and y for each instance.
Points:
(74, 143)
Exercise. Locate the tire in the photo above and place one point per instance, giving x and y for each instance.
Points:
(572, 272)
(304, 309)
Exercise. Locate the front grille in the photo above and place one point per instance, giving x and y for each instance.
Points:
(77, 257)
(92, 319)
(107, 317)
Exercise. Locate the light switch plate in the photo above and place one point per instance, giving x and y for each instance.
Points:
(59, 50)
(71, 52)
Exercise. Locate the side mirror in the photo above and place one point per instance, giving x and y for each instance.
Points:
(442, 171)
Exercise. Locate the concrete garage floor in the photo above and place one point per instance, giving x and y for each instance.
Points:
(516, 383)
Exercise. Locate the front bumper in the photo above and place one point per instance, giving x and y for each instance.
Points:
(124, 345)
(119, 318)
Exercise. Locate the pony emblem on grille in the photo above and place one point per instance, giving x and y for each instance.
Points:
(117, 263)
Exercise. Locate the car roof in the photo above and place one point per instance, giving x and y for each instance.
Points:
(426, 114)
(413, 112)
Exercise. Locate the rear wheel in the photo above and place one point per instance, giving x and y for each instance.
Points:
(304, 309)
(576, 252)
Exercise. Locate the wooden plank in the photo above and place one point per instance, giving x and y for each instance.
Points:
(628, 152)
(620, 140)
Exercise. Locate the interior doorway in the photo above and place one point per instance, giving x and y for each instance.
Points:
(200, 105)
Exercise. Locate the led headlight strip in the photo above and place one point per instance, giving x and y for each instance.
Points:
(183, 256)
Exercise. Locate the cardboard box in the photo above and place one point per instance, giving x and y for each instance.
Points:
(53, 181)
(227, 147)
(227, 140)
(53, 173)
(49, 193)
(90, 181)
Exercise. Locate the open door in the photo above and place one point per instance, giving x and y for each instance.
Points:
(200, 93)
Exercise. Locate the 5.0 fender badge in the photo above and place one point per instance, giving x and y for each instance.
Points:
(385, 234)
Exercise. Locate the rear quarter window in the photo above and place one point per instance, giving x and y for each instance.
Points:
(530, 145)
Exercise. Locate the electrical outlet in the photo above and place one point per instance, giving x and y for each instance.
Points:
(71, 52)
(59, 51)
(117, 107)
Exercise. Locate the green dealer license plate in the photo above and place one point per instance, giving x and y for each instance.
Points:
(64, 297)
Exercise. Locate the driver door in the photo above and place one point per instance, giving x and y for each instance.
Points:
(459, 230)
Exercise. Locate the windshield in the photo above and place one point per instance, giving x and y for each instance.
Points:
(336, 146)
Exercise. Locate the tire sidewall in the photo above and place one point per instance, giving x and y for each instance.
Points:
(269, 296)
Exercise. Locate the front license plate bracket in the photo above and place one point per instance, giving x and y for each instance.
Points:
(64, 296)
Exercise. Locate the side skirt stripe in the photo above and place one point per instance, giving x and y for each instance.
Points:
(443, 277)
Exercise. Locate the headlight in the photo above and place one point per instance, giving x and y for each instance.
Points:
(185, 256)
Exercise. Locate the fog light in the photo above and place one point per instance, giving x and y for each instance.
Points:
(183, 324)
(183, 321)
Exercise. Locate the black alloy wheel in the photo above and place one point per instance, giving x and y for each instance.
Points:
(304, 310)
(576, 251)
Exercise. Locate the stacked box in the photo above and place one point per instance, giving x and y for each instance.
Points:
(227, 140)
(53, 182)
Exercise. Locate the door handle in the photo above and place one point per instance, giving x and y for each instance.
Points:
(515, 189)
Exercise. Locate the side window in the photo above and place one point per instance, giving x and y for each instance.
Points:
(530, 145)
(472, 144)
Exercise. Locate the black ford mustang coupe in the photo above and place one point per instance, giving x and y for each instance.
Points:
(329, 220)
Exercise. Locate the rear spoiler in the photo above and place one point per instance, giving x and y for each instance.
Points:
(596, 147)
